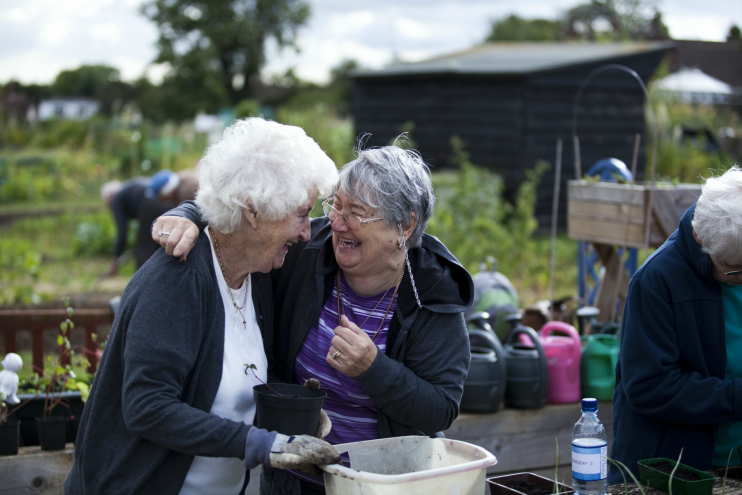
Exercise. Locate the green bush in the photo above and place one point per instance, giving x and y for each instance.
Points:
(334, 135)
(247, 108)
(95, 236)
(19, 269)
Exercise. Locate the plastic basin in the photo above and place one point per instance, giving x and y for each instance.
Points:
(412, 465)
(659, 480)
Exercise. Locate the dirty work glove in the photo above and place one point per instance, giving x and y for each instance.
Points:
(325, 425)
(302, 452)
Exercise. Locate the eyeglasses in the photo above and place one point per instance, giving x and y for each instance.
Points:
(723, 270)
(353, 221)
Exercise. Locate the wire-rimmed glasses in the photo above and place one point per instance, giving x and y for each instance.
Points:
(723, 270)
(353, 221)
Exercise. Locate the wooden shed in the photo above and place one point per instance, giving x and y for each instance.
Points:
(510, 102)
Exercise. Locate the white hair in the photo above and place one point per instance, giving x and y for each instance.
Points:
(717, 220)
(109, 190)
(262, 165)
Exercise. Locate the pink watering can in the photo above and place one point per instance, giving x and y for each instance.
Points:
(563, 350)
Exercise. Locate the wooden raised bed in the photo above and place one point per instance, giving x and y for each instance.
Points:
(616, 214)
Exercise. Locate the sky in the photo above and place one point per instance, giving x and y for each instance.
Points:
(39, 38)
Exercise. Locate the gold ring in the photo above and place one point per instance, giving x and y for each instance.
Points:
(335, 356)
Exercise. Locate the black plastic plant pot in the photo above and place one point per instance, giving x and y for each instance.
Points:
(9, 437)
(657, 479)
(52, 432)
(35, 409)
(498, 484)
(296, 413)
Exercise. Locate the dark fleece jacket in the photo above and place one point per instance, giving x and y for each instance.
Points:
(417, 385)
(148, 411)
(670, 387)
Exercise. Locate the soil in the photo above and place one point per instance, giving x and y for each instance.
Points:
(527, 487)
(734, 473)
(680, 473)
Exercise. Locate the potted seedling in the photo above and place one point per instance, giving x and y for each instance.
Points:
(287, 408)
(676, 478)
(52, 429)
(529, 483)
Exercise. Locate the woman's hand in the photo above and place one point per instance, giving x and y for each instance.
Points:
(357, 350)
(180, 238)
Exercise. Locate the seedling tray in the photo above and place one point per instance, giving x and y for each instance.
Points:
(659, 480)
(497, 484)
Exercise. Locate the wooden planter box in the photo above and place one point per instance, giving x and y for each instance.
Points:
(616, 214)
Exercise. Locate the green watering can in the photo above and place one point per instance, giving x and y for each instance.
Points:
(598, 365)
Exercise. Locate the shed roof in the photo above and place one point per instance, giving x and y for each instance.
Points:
(517, 58)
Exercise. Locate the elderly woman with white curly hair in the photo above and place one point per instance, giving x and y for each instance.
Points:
(679, 374)
(371, 305)
(171, 409)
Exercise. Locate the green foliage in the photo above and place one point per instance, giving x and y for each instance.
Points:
(615, 20)
(515, 28)
(19, 270)
(92, 81)
(334, 135)
(219, 42)
(594, 20)
(247, 108)
(735, 34)
(95, 236)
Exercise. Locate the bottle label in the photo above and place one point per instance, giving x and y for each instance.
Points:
(590, 463)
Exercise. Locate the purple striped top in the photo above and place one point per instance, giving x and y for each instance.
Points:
(352, 412)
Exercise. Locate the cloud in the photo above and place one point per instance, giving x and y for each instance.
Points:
(40, 37)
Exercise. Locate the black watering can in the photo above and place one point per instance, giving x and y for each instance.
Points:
(484, 387)
(527, 373)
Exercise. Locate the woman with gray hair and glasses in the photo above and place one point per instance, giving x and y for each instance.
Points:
(371, 305)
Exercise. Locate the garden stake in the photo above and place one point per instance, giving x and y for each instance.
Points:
(554, 212)
(555, 491)
(669, 484)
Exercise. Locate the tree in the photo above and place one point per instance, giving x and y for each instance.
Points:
(734, 33)
(219, 44)
(93, 81)
(514, 28)
(615, 20)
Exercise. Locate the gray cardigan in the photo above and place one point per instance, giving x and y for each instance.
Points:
(417, 385)
(148, 411)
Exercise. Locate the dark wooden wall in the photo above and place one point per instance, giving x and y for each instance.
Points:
(510, 124)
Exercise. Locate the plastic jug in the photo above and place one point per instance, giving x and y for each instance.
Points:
(563, 351)
(598, 366)
(484, 387)
(527, 373)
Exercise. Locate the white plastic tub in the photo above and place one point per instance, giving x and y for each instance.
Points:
(410, 466)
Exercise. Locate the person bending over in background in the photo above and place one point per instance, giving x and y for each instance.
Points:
(679, 374)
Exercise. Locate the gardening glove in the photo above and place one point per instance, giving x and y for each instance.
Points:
(302, 452)
(324, 425)
(274, 450)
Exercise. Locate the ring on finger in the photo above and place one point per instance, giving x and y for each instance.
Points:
(162, 232)
(337, 353)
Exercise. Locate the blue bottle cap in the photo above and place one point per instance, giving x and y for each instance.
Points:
(589, 405)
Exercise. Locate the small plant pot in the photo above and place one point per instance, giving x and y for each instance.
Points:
(296, 413)
(9, 437)
(498, 484)
(657, 479)
(52, 432)
(35, 409)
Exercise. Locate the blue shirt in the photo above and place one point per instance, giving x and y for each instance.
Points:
(729, 434)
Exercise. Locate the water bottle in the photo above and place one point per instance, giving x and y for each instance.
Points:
(589, 452)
